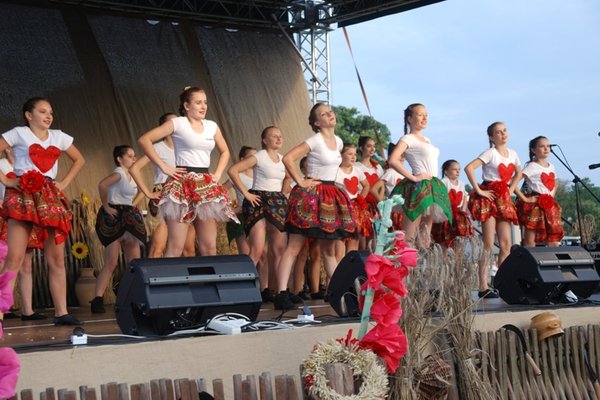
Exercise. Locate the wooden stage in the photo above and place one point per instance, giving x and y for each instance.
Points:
(48, 359)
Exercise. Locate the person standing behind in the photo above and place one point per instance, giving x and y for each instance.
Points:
(34, 203)
(192, 195)
(265, 204)
(318, 208)
(373, 172)
(538, 213)
(425, 196)
(444, 233)
(119, 223)
(158, 240)
(490, 202)
(350, 178)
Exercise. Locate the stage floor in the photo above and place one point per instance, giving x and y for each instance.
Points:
(42, 335)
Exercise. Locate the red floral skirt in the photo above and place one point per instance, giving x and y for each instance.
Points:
(195, 195)
(47, 208)
(445, 232)
(501, 207)
(362, 215)
(546, 222)
(323, 212)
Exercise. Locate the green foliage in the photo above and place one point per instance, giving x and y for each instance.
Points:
(566, 197)
(351, 124)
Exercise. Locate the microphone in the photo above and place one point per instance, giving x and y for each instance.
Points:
(594, 166)
(554, 145)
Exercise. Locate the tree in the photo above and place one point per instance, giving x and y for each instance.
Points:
(351, 124)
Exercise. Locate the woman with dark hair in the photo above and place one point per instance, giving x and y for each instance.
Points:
(119, 223)
(36, 213)
(318, 208)
(191, 195)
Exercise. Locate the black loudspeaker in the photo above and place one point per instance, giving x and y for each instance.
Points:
(158, 296)
(346, 282)
(543, 275)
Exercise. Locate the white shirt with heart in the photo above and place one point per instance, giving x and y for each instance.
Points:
(540, 179)
(496, 167)
(31, 153)
(350, 182)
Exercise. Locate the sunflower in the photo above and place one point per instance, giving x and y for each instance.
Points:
(79, 250)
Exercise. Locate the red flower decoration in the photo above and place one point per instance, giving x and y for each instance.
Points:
(308, 381)
(499, 187)
(388, 342)
(386, 309)
(6, 291)
(11, 175)
(377, 267)
(32, 181)
(208, 178)
(9, 372)
(546, 201)
(361, 202)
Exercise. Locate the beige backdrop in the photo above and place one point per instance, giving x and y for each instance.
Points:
(109, 78)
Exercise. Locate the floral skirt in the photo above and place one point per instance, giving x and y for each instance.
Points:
(233, 229)
(48, 209)
(322, 212)
(153, 203)
(445, 232)
(501, 207)
(362, 215)
(546, 222)
(427, 197)
(273, 207)
(129, 219)
(195, 195)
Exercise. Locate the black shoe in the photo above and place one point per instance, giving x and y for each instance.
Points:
(488, 294)
(282, 301)
(317, 296)
(10, 315)
(267, 295)
(294, 298)
(67, 319)
(98, 305)
(304, 295)
(33, 317)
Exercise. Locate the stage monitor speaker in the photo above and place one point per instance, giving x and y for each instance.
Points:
(544, 275)
(346, 282)
(158, 296)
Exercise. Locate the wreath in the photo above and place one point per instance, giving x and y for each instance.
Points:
(364, 363)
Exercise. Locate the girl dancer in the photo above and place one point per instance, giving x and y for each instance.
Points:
(165, 150)
(445, 232)
(425, 196)
(265, 205)
(34, 203)
(119, 223)
(490, 202)
(538, 213)
(350, 178)
(373, 173)
(235, 230)
(318, 208)
(192, 195)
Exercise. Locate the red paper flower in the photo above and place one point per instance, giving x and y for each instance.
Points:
(11, 175)
(32, 181)
(388, 342)
(546, 201)
(9, 372)
(308, 381)
(386, 309)
(377, 267)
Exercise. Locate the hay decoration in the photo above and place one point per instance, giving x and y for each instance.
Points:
(364, 364)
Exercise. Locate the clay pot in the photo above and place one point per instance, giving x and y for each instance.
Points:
(547, 324)
(85, 286)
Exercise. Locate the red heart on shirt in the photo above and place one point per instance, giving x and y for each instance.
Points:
(43, 159)
(398, 180)
(372, 178)
(351, 184)
(549, 180)
(506, 171)
(456, 198)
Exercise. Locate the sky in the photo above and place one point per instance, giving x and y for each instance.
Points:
(533, 64)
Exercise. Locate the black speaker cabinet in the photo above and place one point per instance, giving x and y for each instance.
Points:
(346, 281)
(158, 296)
(542, 275)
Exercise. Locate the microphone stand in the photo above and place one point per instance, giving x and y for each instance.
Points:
(577, 181)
